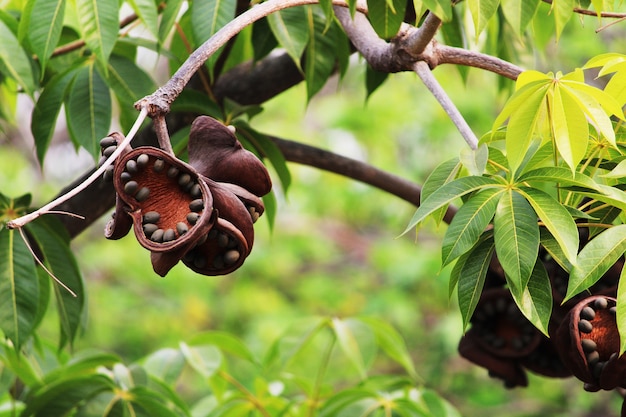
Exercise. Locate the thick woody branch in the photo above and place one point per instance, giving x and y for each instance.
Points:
(419, 39)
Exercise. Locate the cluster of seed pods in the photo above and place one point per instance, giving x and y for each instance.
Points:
(584, 340)
(201, 212)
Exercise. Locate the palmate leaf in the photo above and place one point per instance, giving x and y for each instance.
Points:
(19, 288)
(347, 342)
(448, 193)
(209, 16)
(472, 278)
(440, 8)
(562, 11)
(442, 174)
(148, 13)
(127, 80)
(53, 243)
(168, 18)
(99, 26)
(14, 62)
(556, 219)
(607, 194)
(596, 258)
(570, 129)
(320, 52)
(386, 16)
(482, 11)
(516, 235)
(559, 175)
(88, 109)
(469, 223)
(535, 301)
(519, 13)
(612, 63)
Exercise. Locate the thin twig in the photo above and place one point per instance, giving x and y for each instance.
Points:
(160, 128)
(423, 71)
(21, 221)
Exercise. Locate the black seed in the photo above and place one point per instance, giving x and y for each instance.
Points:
(593, 358)
(497, 342)
(231, 257)
(108, 141)
(109, 151)
(101, 161)
(159, 165)
(150, 228)
(601, 303)
(151, 217)
(195, 191)
(169, 235)
(181, 228)
(172, 172)
(613, 356)
(253, 214)
(125, 176)
(142, 194)
(157, 236)
(222, 240)
(588, 345)
(184, 179)
(585, 326)
(131, 166)
(591, 387)
(192, 217)
(517, 343)
(212, 234)
(598, 368)
(108, 173)
(613, 310)
(131, 187)
(189, 256)
(587, 313)
(199, 262)
(142, 160)
(196, 205)
(218, 262)
(202, 240)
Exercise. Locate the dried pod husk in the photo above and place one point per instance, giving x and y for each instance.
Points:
(501, 328)
(215, 152)
(588, 342)
(157, 192)
(545, 360)
(120, 224)
(253, 203)
(507, 369)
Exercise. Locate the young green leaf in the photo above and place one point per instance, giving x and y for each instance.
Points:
(442, 174)
(19, 288)
(448, 193)
(482, 11)
(469, 223)
(562, 11)
(519, 13)
(440, 8)
(99, 26)
(207, 17)
(148, 13)
(88, 109)
(226, 342)
(472, 278)
(596, 258)
(559, 175)
(475, 160)
(166, 364)
(516, 235)
(535, 301)
(349, 345)
(386, 16)
(556, 219)
(205, 360)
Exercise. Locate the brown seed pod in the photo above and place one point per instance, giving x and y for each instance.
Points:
(217, 154)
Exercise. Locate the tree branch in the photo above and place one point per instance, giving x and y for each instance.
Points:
(416, 43)
(443, 54)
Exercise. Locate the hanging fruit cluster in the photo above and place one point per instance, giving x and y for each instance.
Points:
(201, 212)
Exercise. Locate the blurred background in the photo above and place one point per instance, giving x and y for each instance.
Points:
(334, 250)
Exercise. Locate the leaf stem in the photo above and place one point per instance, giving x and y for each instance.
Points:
(21, 221)
(249, 396)
(320, 377)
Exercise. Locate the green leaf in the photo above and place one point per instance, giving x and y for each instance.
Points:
(59, 259)
(19, 288)
(14, 62)
(290, 29)
(320, 53)
(472, 278)
(570, 129)
(336, 404)
(475, 160)
(152, 403)
(99, 26)
(88, 109)
(373, 79)
(556, 219)
(440, 8)
(519, 13)
(596, 258)
(128, 81)
(559, 175)
(535, 301)
(165, 364)
(482, 11)
(562, 10)
(82, 363)
(469, 223)
(209, 16)
(442, 174)
(553, 248)
(47, 109)
(349, 345)
(607, 194)
(386, 16)
(516, 235)
(206, 360)
(621, 311)
(43, 24)
(448, 193)
(226, 342)
(168, 18)
(391, 342)
(147, 12)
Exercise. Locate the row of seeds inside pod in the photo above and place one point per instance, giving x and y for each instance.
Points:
(585, 326)
(228, 256)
